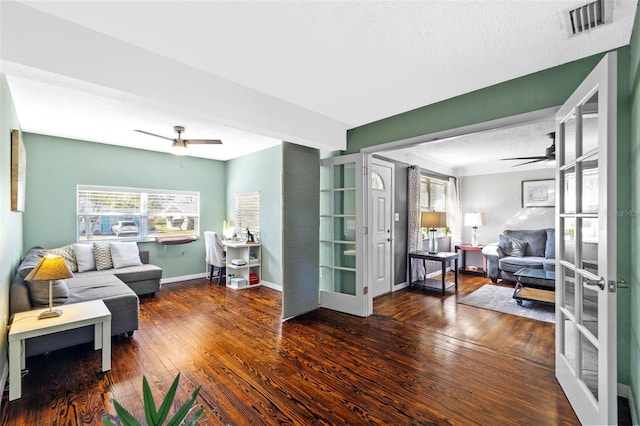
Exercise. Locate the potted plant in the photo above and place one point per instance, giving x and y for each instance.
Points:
(157, 417)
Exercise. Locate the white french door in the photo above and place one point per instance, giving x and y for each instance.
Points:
(586, 246)
(342, 227)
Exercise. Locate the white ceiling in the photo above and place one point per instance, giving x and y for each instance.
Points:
(253, 73)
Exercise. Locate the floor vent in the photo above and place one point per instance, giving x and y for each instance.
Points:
(587, 17)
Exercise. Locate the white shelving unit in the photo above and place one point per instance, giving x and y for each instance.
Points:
(251, 254)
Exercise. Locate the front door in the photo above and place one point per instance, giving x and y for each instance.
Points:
(381, 199)
(586, 246)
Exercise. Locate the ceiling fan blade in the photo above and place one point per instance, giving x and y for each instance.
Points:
(153, 134)
(529, 162)
(537, 158)
(203, 141)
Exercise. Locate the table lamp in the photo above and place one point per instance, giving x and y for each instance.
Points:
(51, 267)
(433, 220)
(474, 220)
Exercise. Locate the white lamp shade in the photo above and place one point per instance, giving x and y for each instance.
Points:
(474, 219)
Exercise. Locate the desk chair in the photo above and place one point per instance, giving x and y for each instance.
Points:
(215, 255)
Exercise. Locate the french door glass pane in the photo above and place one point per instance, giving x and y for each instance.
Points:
(345, 281)
(590, 185)
(589, 245)
(590, 124)
(569, 184)
(569, 290)
(590, 309)
(570, 139)
(590, 366)
(569, 231)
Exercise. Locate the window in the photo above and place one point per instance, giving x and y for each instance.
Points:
(433, 194)
(248, 212)
(131, 213)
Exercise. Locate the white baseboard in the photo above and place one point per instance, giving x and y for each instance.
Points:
(400, 286)
(182, 278)
(625, 391)
(171, 280)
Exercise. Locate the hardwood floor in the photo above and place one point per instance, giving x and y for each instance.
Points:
(420, 359)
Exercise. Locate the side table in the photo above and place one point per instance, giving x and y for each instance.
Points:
(26, 325)
(464, 269)
(443, 258)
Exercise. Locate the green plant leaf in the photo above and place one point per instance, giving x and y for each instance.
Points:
(194, 420)
(149, 404)
(107, 422)
(184, 410)
(125, 417)
(163, 412)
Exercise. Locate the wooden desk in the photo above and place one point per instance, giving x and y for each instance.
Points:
(26, 325)
(443, 258)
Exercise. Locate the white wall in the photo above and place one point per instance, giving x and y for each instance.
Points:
(499, 197)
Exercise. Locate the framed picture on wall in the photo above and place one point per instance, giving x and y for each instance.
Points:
(18, 171)
(539, 193)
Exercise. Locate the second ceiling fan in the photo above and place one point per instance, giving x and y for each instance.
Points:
(179, 145)
(548, 157)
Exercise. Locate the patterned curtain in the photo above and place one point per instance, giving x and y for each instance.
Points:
(414, 236)
(454, 211)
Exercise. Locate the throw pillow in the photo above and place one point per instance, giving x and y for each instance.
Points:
(39, 292)
(102, 253)
(512, 246)
(84, 257)
(31, 259)
(125, 254)
(69, 256)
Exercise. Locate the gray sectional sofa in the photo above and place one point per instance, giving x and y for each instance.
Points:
(117, 287)
(518, 249)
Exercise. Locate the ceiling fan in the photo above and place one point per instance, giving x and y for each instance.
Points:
(548, 157)
(179, 145)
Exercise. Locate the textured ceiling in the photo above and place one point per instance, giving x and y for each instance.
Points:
(328, 65)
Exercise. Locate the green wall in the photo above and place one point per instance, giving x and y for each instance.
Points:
(544, 89)
(10, 222)
(261, 171)
(634, 189)
(56, 165)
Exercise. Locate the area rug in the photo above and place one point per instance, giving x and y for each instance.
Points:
(496, 298)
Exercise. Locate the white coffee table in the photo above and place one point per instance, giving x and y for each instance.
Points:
(26, 325)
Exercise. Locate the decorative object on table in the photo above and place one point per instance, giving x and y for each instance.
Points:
(51, 267)
(474, 220)
(250, 238)
(433, 220)
(539, 193)
(18, 171)
(500, 299)
(155, 417)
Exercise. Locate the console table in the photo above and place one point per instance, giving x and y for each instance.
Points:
(26, 325)
(443, 258)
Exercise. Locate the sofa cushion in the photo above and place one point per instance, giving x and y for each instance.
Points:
(128, 274)
(550, 248)
(512, 264)
(511, 246)
(39, 292)
(69, 256)
(536, 240)
(125, 254)
(102, 253)
(84, 257)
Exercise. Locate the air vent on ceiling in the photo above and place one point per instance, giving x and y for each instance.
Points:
(587, 17)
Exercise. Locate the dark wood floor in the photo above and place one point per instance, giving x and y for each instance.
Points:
(420, 359)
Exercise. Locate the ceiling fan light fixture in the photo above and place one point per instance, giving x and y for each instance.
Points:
(179, 147)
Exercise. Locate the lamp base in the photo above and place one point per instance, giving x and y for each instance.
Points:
(50, 314)
(433, 242)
